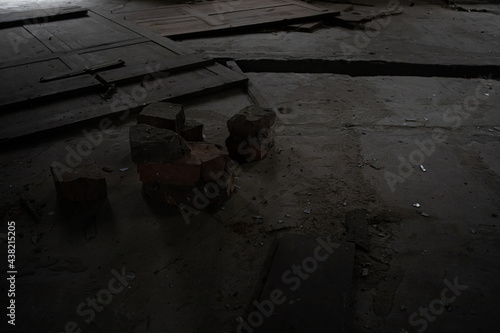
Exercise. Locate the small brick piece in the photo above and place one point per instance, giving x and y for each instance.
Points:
(149, 144)
(163, 115)
(251, 134)
(250, 121)
(192, 131)
(82, 183)
(203, 162)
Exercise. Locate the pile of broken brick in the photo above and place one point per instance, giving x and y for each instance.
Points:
(175, 164)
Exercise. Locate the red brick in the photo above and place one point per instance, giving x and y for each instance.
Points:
(163, 115)
(204, 160)
(192, 131)
(149, 144)
(251, 121)
(82, 183)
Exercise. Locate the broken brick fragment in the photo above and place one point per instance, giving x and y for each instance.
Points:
(204, 161)
(80, 184)
(163, 115)
(149, 144)
(251, 121)
(192, 131)
(251, 134)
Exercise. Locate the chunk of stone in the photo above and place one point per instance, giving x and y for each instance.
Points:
(150, 144)
(163, 115)
(251, 121)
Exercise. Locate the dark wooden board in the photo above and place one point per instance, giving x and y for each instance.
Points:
(88, 31)
(18, 43)
(14, 19)
(171, 65)
(191, 84)
(320, 302)
(192, 20)
(14, 96)
(252, 91)
(152, 68)
(58, 116)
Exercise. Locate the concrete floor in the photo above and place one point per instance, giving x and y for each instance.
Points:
(339, 146)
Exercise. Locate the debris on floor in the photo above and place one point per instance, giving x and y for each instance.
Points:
(173, 170)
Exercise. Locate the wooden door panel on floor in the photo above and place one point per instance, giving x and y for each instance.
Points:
(191, 20)
(74, 111)
(18, 43)
(84, 32)
(87, 69)
(14, 19)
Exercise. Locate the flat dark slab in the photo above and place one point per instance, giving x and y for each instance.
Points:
(321, 302)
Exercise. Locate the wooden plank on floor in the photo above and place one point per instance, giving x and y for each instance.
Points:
(252, 91)
(192, 84)
(165, 42)
(18, 43)
(83, 70)
(312, 276)
(48, 89)
(47, 38)
(51, 56)
(178, 74)
(173, 88)
(14, 19)
(171, 65)
(226, 16)
(89, 31)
